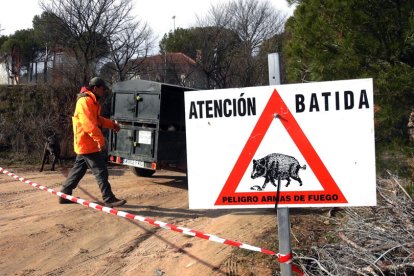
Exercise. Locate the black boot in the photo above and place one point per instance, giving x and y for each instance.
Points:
(114, 202)
(64, 200)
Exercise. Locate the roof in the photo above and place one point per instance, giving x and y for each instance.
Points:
(177, 58)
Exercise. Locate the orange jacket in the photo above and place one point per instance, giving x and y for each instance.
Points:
(87, 123)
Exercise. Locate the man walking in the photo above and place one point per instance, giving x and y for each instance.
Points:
(89, 143)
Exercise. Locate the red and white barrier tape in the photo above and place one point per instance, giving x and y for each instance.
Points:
(282, 258)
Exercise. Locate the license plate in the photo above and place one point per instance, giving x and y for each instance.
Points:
(134, 163)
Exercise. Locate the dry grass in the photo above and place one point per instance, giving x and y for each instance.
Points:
(348, 241)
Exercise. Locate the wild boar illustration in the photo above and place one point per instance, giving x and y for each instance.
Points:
(276, 165)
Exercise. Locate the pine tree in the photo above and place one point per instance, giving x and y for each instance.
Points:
(333, 40)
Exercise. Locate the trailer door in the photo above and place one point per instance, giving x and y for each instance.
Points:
(144, 142)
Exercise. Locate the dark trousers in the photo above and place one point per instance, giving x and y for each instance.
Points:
(96, 162)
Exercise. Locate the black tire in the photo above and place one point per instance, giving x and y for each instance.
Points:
(142, 172)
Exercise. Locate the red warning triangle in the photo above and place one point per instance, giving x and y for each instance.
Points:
(330, 193)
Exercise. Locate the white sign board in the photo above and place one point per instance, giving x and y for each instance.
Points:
(316, 138)
(144, 137)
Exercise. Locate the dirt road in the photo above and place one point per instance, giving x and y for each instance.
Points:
(40, 237)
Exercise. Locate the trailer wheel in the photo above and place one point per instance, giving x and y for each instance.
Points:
(141, 172)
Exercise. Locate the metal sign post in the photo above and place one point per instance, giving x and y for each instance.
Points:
(283, 223)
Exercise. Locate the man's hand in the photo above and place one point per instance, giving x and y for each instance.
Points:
(117, 127)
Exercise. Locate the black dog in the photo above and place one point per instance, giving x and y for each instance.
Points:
(52, 148)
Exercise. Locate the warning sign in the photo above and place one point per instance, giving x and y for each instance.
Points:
(316, 139)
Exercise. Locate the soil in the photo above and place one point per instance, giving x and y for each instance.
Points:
(41, 237)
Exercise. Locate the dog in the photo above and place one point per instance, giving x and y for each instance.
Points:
(52, 148)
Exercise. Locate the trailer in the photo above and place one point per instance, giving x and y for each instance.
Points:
(152, 120)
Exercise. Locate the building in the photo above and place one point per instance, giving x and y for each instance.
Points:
(10, 67)
(50, 66)
(171, 68)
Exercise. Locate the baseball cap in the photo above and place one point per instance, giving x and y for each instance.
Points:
(97, 81)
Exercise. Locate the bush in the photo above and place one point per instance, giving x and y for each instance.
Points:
(31, 113)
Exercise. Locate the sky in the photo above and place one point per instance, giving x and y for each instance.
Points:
(18, 14)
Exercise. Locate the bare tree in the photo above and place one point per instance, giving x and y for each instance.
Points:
(129, 48)
(88, 27)
(219, 47)
(254, 22)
